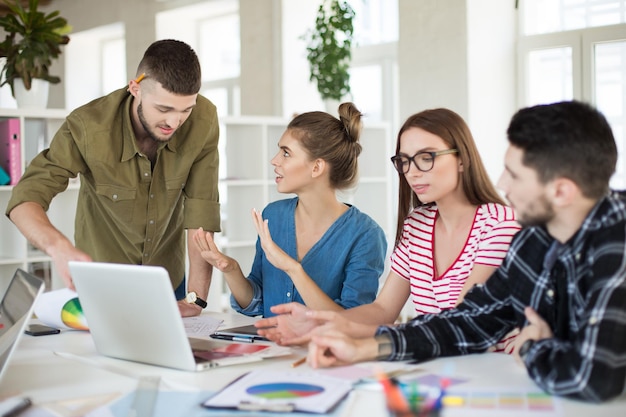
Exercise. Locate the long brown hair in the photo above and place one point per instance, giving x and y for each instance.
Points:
(453, 130)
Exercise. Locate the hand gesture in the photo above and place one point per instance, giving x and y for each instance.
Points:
(536, 329)
(290, 326)
(209, 252)
(335, 349)
(274, 254)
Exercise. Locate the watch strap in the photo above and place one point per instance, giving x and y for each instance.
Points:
(192, 298)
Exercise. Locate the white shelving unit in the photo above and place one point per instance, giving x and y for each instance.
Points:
(248, 144)
(37, 127)
(247, 181)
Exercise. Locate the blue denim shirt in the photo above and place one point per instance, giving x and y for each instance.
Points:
(345, 263)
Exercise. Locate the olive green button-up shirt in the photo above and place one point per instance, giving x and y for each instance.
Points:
(127, 211)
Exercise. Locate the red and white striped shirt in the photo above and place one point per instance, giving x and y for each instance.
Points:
(487, 243)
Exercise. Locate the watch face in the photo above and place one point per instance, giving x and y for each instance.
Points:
(523, 350)
(191, 297)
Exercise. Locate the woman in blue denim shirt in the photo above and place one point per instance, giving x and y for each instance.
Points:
(311, 249)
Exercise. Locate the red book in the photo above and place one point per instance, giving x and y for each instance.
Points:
(11, 148)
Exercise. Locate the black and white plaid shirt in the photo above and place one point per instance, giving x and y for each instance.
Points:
(578, 288)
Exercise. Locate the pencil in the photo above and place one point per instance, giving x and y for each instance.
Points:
(141, 77)
(298, 362)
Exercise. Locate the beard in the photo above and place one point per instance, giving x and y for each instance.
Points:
(538, 214)
(151, 132)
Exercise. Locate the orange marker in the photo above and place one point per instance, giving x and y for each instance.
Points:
(395, 398)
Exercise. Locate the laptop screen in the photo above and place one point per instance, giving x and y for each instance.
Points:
(15, 311)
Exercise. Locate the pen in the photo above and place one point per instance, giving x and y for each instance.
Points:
(298, 362)
(233, 338)
(20, 406)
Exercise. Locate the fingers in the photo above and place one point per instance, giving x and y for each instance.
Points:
(271, 334)
(257, 218)
(532, 316)
(266, 322)
(297, 340)
(287, 308)
(321, 315)
(319, 355)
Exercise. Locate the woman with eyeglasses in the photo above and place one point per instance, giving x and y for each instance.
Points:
(453, 231)
(313, 248)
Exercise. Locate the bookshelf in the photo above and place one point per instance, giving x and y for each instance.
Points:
(248, 143)
(36, 128)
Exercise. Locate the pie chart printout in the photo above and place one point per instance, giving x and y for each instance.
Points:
(284, 390)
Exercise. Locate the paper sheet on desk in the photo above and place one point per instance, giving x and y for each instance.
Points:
(202, 326)
(61, 309)
(271, 390)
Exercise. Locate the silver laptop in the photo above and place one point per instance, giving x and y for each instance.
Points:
(132, 314)
(16, 310)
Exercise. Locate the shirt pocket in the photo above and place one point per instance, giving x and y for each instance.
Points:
(174, 189)
(117, 201)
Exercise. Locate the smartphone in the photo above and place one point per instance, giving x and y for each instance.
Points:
(40, 330)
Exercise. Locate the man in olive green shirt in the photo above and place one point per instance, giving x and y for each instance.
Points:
(148, 163)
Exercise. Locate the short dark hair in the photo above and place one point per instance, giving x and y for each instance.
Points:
(174, 65)
(335, 140)
(568, 139)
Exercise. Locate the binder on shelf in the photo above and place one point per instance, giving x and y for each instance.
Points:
(11, 148)
(4, 177)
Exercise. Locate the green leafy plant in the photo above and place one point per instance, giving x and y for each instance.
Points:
(329, 49)
(33, 39)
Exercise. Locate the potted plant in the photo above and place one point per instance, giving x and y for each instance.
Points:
(33, 40)
(329, 49)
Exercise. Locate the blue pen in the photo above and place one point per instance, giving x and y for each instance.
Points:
(233, 338)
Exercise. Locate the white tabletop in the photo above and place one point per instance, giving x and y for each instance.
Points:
(64, 367)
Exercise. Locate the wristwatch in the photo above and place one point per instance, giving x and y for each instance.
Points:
(523, 350)
(192, 298)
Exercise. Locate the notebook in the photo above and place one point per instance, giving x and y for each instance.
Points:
(16, 310)
(133, 315)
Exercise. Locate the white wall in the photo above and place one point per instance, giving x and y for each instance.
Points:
(460, 54)
(491, 77)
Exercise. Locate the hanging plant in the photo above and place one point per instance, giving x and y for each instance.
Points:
(329, 49)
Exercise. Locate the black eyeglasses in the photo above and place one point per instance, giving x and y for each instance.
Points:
(424, 161)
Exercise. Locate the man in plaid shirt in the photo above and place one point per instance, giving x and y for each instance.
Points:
(563, 281)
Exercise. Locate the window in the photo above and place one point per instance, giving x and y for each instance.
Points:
(576, 49)
(373, 73)
(212, 29)
(95, 60)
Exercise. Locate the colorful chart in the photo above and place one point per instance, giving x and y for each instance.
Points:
(72, 315)
(284, 390)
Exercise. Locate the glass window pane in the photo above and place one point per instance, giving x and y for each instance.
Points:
(546, 16)
(219, 59)
(550, 75)
(375, 21)
(366, 88)
(610, 97)
(113, 64)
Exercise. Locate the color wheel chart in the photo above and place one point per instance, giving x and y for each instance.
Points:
(72, 315)
(266, 390)
(284, 390)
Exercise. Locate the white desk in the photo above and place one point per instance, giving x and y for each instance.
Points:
(36, 371)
